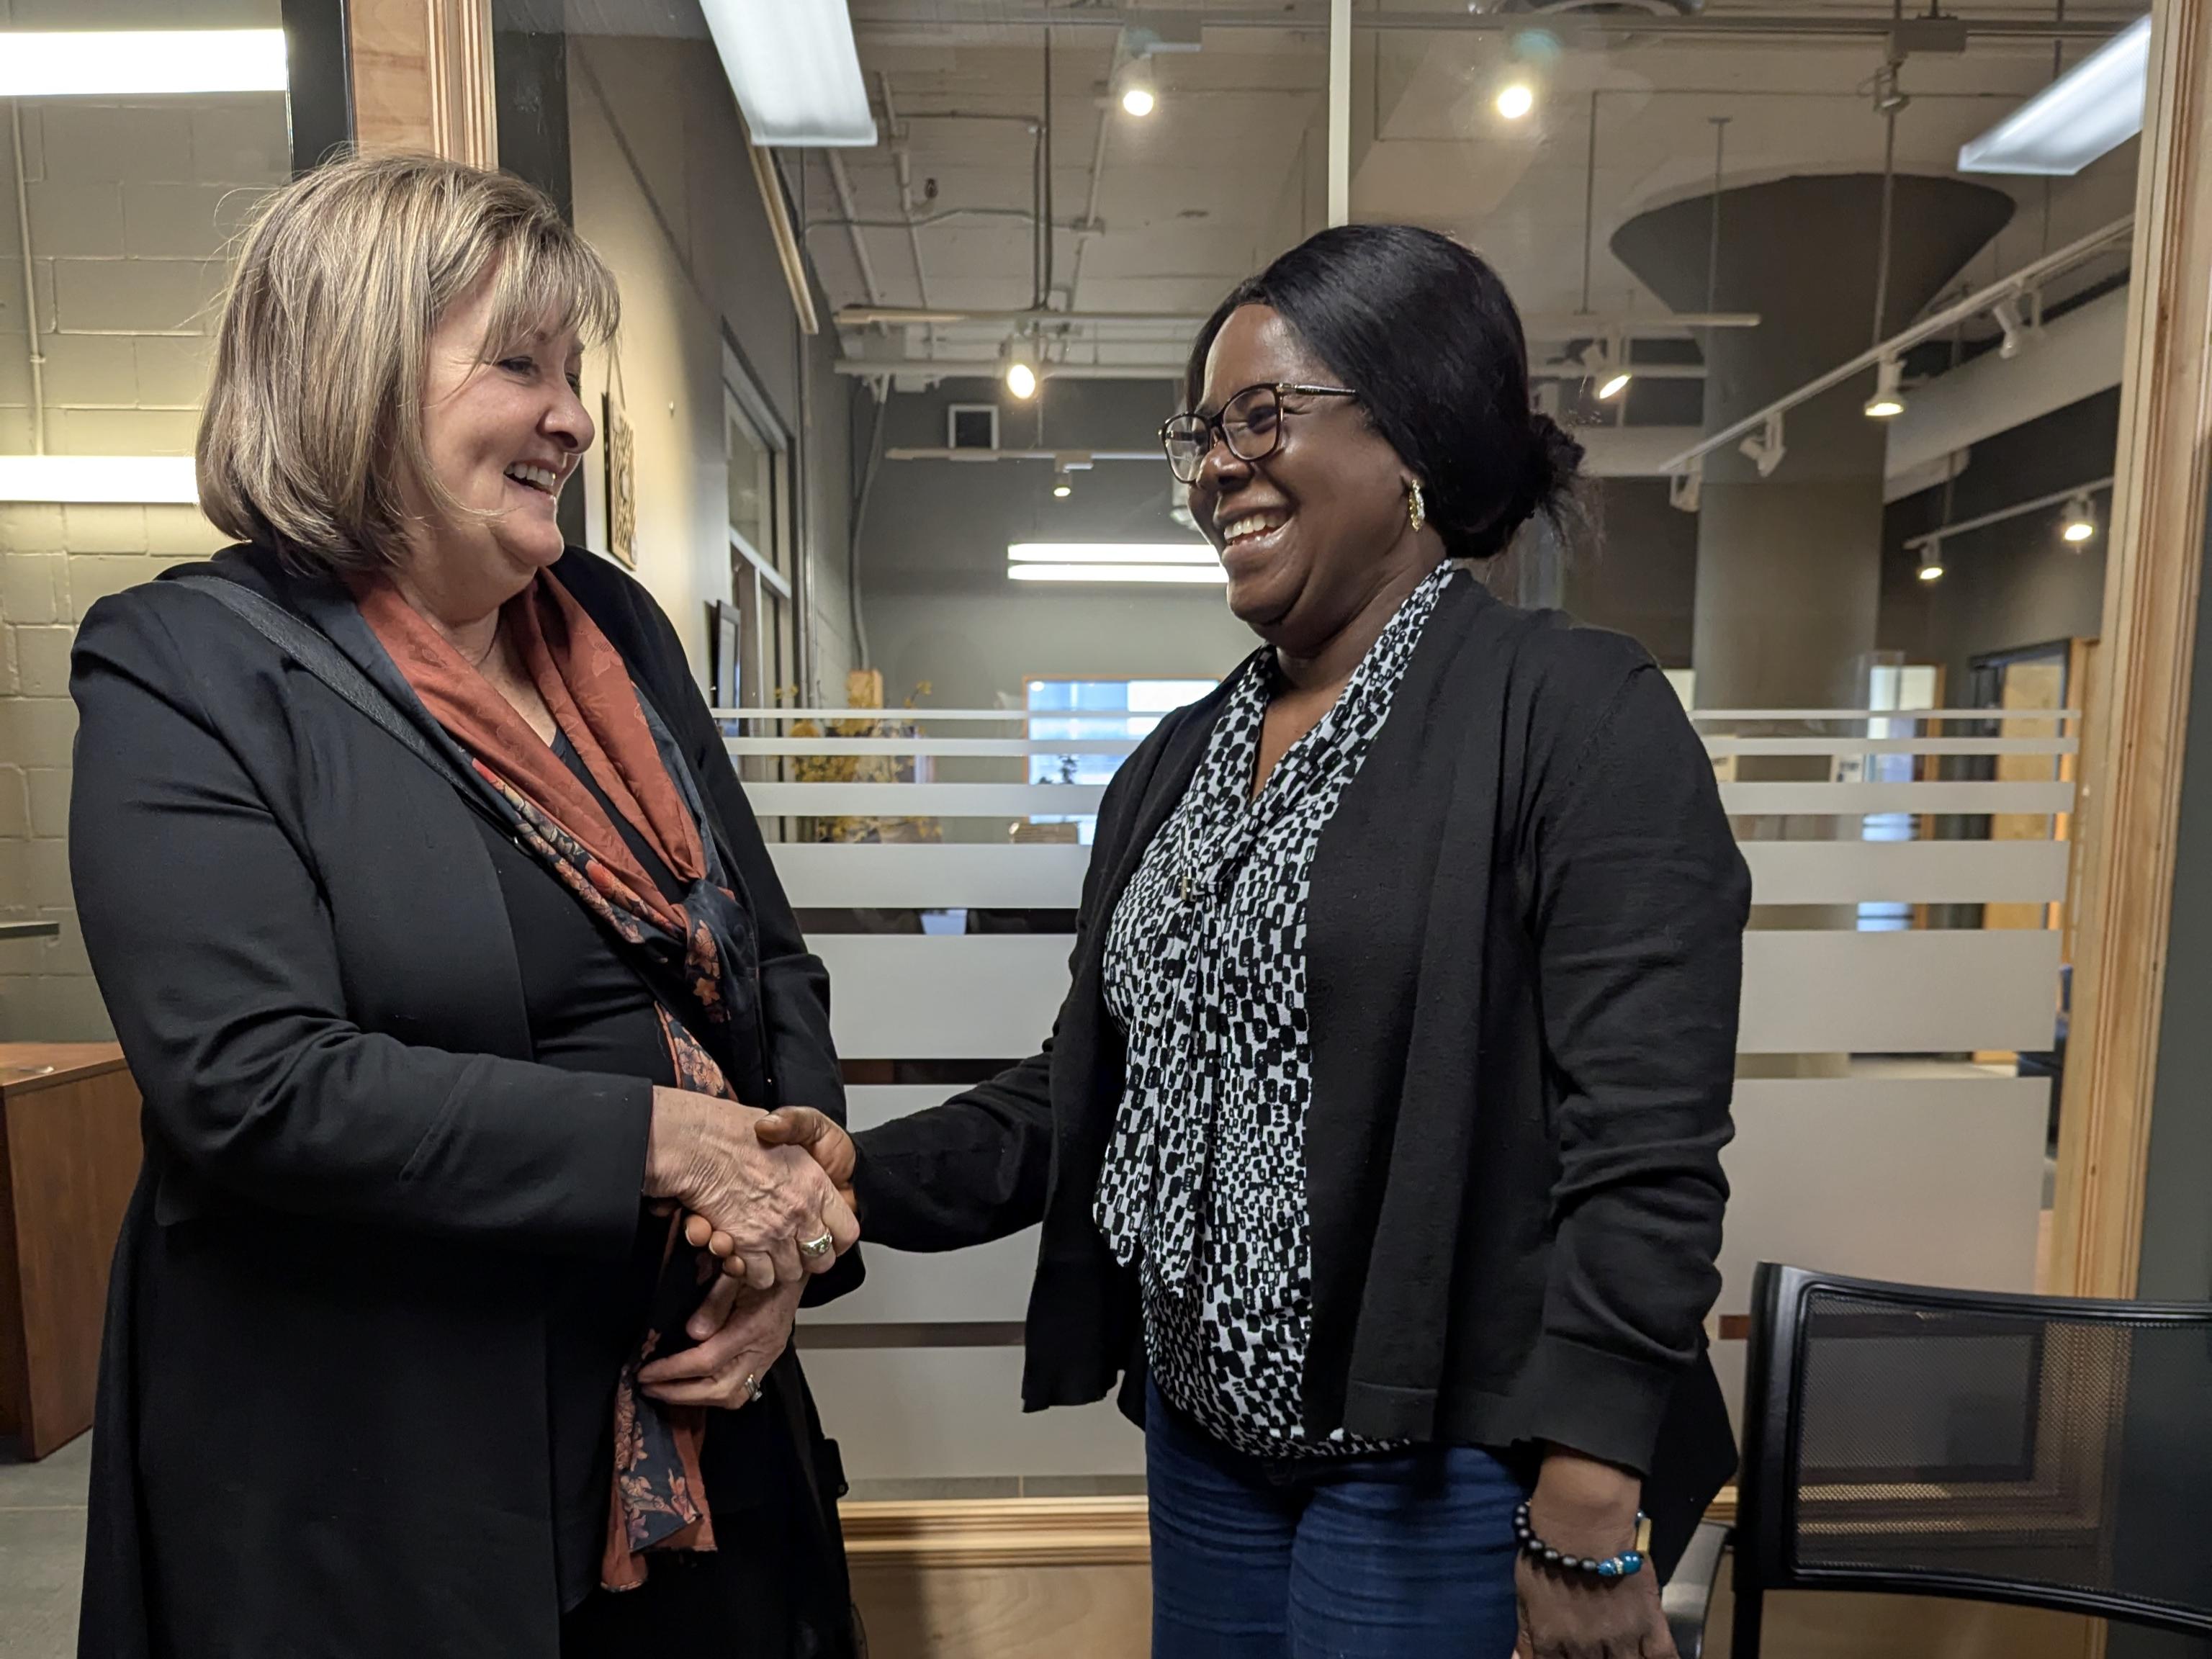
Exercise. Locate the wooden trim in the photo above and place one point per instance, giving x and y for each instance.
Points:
(788, 254)
(2134, 749)
(1026, 1531)
(423, 78)
(998, 1532)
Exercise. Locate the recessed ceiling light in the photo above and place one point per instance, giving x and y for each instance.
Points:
(2092, 109)
(119, 62)
(129, 480)
(1183, 574)
(1189, 553)
(794, 69)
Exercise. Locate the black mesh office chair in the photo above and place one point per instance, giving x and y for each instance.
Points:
(2033, 1449)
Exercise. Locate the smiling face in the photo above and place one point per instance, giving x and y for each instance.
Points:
(1309, 534)
(503, 429)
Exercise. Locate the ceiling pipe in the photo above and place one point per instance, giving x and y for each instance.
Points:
(843, 186)
(1088, 226)
(902, 160)
(1566, 326)
(1313, 19)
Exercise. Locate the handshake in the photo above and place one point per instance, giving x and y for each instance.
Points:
(769, 1192)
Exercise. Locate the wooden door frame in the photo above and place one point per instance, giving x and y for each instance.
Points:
(422, 74)
(2134, 741)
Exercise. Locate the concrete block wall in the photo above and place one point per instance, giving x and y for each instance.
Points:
(133, 206)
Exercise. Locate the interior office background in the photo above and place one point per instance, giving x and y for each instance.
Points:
(789, 511)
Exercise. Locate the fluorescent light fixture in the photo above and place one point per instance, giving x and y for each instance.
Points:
(2094, 107)
(1516, 100)
(122, 480)
(795, 71)
(1160, 553)
(1888, 402)
(1186, 574)
(119, 62)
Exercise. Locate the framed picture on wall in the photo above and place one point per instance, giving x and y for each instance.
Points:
(621, 483)
(724, 689)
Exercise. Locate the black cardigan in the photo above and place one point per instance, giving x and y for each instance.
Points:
(325, 1342)
(1525, 957)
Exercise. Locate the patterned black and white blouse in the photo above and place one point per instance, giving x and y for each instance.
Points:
(1205, 1184)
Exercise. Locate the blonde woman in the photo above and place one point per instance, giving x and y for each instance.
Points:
(446, 953)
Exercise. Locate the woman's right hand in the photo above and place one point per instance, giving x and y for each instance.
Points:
(823, 1139)
(760, 1199)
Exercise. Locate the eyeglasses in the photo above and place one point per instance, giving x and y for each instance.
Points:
(1250, 424)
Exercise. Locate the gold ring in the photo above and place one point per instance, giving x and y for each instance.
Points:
(816, 1248)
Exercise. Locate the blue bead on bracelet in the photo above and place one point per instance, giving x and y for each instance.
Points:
(1626, 1565)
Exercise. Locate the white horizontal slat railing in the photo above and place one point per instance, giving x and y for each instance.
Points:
(1806, 991)
(821, 875)
(1913, 1161)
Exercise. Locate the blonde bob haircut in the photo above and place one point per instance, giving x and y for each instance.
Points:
(314, 418)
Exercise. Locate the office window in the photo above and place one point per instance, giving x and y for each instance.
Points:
(762, 550)
(1094, 710)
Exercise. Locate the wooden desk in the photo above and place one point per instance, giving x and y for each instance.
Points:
(69, 1158)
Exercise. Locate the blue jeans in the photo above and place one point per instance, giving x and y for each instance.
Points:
(1404, 1555)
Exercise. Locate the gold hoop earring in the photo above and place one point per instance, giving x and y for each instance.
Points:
(1417, 509)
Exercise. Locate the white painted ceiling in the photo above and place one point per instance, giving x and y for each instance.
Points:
(1228, 171)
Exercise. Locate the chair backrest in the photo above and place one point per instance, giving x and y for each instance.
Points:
(2036, 1450)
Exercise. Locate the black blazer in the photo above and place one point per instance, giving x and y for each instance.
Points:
(325, 1358)
(1524, 958)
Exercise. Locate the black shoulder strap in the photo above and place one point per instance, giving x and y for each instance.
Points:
(314, 653)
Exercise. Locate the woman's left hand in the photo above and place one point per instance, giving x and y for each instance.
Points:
(1587, 1507)
(739, 1333)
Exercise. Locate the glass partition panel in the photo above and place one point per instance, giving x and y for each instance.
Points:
(1849, 411)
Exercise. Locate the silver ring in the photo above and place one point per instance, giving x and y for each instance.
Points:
(753, 1389)
(816, 1248)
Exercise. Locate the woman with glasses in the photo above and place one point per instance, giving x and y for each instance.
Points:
(1377, 1143)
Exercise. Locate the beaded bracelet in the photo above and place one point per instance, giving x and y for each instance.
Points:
(1623, 1565)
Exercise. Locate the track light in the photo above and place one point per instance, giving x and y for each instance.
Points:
(1021, 369)
(1606, 361)
(1515, 100)
(2081, 521)
(1686, 488)
(1931, 562)
(1889, 402)
(1062, 485)
(1765, 447)
(2006, 314)
(1139, 99)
